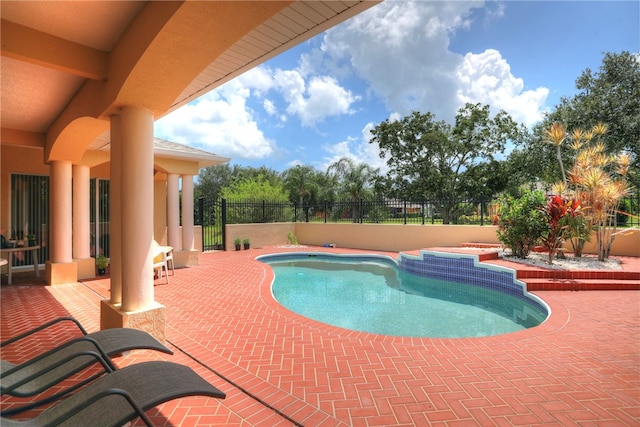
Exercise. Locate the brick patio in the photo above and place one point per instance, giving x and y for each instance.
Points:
(581, 367)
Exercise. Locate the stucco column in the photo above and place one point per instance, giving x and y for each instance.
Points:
(115, 214)
(188, 243)
(81, 223)
(60, 267)
(137, 208)
(60, 216)
(81, 217)
(173, 211)
(132, 170)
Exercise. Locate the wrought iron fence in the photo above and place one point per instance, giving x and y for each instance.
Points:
(476, 211)
(380, 211)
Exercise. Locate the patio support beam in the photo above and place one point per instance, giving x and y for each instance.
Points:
(60, 268)
(81, 220)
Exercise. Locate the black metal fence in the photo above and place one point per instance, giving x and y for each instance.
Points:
(478, 211)
(391, 211)
(213, 215)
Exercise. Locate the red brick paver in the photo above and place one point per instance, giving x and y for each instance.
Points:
(581, 367)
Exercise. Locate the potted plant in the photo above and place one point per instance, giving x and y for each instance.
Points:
(246, 243)
(101, 264)
(237, 243)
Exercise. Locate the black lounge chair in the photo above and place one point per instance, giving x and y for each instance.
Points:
(123, 395)
(40, 373)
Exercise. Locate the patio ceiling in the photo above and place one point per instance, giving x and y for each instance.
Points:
(68, 65)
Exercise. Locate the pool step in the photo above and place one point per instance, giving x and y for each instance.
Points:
(481, 245)
(540, 284)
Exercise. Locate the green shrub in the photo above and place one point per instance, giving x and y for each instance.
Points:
(521, 222)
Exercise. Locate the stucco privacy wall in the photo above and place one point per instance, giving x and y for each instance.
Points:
(259, 234)
(393, 237)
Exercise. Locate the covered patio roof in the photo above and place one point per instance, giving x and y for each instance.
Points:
(67, 66)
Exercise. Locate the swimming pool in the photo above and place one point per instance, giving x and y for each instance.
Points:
(410, 296)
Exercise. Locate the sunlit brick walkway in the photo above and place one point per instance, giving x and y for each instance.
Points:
(581, 367)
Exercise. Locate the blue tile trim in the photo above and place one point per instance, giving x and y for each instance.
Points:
(467, 269)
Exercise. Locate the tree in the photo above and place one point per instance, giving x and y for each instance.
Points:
(261, 173)
(211, 180)
(354, 180)
(611, 96)
(429, 158)
(301, 182)
(252, 190)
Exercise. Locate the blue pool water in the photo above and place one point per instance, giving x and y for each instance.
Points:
(371, 294)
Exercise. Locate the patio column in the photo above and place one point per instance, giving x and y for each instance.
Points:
(136, 208)
(115, 211)
(173, 211)
(60, 268)
(138, 308)
(188, 243)
(81, 222)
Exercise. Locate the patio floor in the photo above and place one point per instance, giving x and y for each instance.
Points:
(581, 367)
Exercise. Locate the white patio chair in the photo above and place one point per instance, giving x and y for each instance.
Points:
(162, 255)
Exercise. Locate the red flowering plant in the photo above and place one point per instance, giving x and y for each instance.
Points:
(558, 212)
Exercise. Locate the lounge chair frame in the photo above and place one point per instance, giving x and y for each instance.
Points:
(143, 386)
(49, 368)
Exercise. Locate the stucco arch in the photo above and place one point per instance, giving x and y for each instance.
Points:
(72, 140)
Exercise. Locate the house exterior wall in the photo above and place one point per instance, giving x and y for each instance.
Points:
(21, 160)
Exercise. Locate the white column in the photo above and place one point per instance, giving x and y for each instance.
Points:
(188, 243)
(173, 211)
(137, 208)
(60, 212)
(81, 215)
(115, 210)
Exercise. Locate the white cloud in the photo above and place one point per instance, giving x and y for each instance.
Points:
(218, 122)
(402, 50)
(360, 150)
(314, 100)
(487, 78)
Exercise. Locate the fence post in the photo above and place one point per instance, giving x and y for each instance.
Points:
(433, 213)
(223, 206)
(325, 212)
(295, 212)
(481, 209)
(405, 211)
(201, 220)
(422, 209)
(264, 212)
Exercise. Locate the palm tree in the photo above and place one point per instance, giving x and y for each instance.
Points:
(300, 181)
(354, 180)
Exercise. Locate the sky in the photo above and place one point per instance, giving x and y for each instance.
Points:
(317, 102)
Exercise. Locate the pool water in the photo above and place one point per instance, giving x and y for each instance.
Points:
(376, 297)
